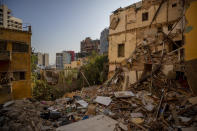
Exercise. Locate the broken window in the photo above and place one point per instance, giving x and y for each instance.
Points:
(20, 47)
(174, 5)
(177, 45)
(3, 45)
(170, 27)
(159, 29)
(121, 50)
(19, 76)
(145, 16)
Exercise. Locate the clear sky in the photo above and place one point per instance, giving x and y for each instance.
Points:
(59, 25)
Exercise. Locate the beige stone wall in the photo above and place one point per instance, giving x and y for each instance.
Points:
(131, 30)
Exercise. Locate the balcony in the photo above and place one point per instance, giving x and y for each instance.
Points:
(5, 56)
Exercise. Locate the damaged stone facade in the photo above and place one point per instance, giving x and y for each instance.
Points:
(88, 46)
(15, 58)
(155, 25)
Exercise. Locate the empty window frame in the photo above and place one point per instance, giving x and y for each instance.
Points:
(20, 47)
(145, 16)
(3, 45)
(121, 50)
(19, 76)
(170, 27)
(159, 29)
(174, 5)
(177, 45)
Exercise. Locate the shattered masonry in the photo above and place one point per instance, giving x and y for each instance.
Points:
(148, 86)
(139, 25)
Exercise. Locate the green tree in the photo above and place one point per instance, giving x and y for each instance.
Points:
(96, 70)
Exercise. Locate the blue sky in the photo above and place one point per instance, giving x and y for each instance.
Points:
(59, 25)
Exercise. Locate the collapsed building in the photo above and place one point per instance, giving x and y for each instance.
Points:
(88, 46)
(152, 54)
(147, 36)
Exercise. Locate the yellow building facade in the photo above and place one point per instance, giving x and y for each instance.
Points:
(191, 45)
(15, 59)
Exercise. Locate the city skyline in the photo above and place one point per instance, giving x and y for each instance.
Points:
(62, 25)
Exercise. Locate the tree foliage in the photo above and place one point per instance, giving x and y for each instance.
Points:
(43, 91)
(96, 70)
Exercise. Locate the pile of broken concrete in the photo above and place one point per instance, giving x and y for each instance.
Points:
(104, 108)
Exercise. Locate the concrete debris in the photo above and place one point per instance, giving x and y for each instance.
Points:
(82, 103)
(185, 119)
(123, 94)
(103, 100)
(96, 123)
(134, 115)
(135, 112)
(8, 103)
(193, 100)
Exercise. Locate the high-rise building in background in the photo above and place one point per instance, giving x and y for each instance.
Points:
(61, 59)
(72, 54)
(39, 58)
(88, 45)
(45, 57)
(104, 44)
(42, 59)
(9, 21)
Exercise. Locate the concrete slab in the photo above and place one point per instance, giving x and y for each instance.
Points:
(97, 123)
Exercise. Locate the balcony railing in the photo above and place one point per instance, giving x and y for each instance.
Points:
(5, 56)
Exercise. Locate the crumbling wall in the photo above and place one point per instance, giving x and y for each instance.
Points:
(133, 31)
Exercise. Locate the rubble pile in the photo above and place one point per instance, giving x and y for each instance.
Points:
(160, 98)
(22, 115)
(155, 101)
(174, 108)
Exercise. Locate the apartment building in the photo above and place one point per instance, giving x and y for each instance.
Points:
(42, 59)
(39, 58)
(72, 54)
(62, 59)
(9, 21)
(143, 23)
(15, 58)
(88, 45)
(45, 59)
(104, 44)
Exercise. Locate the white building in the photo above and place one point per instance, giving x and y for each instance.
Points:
(62, 59)
(43, 59)
(46, 59)
(9, 21)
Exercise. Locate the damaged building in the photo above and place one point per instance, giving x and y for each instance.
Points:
(141, 32)
(15, 58)
(152, 84)
(88, 46)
